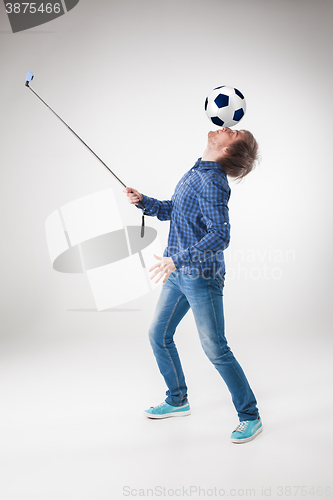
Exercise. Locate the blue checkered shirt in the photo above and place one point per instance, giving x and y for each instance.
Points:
(199, 220)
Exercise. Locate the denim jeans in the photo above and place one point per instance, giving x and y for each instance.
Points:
(205, 297)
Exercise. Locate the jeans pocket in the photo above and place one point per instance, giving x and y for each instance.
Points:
(193, 276)
(220, 281)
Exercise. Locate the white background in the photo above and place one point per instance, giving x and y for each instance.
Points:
(130, 77)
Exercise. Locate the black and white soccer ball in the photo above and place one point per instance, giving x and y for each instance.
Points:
(225, 106)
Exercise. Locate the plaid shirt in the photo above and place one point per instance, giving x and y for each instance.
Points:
(199, 220)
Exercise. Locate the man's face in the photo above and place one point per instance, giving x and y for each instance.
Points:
(222, 138)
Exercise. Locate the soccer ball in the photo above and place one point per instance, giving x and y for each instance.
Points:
(225, 106)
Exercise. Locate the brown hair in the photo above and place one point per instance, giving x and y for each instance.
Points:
(242, 156)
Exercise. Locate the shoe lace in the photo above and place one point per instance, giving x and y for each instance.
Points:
(159, 406)
(241, 427)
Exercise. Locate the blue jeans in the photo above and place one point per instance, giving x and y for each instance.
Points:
(205, 297)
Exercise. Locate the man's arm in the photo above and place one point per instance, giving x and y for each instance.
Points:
(155, 208)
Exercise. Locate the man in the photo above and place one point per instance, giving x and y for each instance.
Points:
(193, 272)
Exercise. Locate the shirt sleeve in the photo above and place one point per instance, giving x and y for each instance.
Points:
(156, 208)
(213, 203)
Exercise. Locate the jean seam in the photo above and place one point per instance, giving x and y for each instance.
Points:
(216, 326)
(164, 344)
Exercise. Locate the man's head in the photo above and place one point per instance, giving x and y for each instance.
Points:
(235, 150)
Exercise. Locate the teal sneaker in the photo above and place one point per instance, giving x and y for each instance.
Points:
(246, 431)
(165, 410)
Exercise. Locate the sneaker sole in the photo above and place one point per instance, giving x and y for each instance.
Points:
(246, 440)
(167, 415)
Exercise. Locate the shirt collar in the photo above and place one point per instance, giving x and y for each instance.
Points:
(206, 164)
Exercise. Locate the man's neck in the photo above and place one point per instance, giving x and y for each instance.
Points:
(209, 155)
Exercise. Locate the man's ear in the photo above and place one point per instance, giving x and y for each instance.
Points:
(225, 151)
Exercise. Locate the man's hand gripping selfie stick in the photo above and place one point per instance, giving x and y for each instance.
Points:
(27, 82)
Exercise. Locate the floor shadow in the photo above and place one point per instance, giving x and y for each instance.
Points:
(104, 310)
